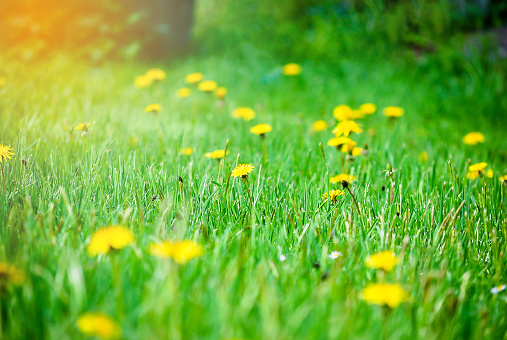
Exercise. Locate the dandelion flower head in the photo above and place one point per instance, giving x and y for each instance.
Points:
(344, 112)
(217, 154)
(99, 325)
(221, 92)
(346, 127)
(333, 194)
(368, 108)
(207, 86)
(393, 111)
(153, 108)
(143, 81)
(385, 260)
(156, 74)
(474, 138)
(107, 238)
(242, 170)
(342, 177)
(186, 151)
(5, 152)
(194, 78)
(245, 113)
(319, 125)
(385, 294)
(181, 251)
(292, 69)
(184, 92)
(261, 129)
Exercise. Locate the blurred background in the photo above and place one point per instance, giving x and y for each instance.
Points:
(295, 29)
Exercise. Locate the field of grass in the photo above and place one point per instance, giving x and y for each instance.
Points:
(266, 271)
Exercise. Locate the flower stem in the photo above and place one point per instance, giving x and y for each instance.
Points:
(354, 199)
(3, 175)
(248, 191)
(264, 151)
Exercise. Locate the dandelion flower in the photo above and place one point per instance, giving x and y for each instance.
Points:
(393, 111)
(156, 74)
(99, 325)
(261, 129)
(368, 108)
(342, 143)
(319, 125)
(207, 86)
(478, 166)
(344, 112)
(242, 171)
(498, 289)
(194, 78)
(186, 151)
(217, 154)
(5, 152)
(221, 92)
(291, 69)
(342, 177)
(357, 151)
(184, 92)
(503, 178)
(333, 195)
(107, 238)
(244, 112)
(10, 275)
(385, 260)
(489, 173)
(474, 138)
(153, 108)
(83, 126)
(385, 294)
(346, 127)
(143, 81)
(181, 252)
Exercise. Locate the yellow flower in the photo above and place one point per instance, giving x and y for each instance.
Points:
(99, 325)
(319, 125)
(5, 152)
(503, 178)
(143, 81)
(344, 112)
(385, 260)
(107, 238)
(393, 111)
(153, 108)
(184, 92)
(207, 86)
(2, 81)
(343, 143)
(217, 154)
(368, 108)
(83, 126)
(181, 251)
(10, 275)
(346, 127)
(156, 74)
(384, 294)
(333, 194)
(244, 112)
(221, 92)
(478, 166)
(186, 151)
(342, 177)
(423, 157)
(357, 152)
(473, 138)
(291, 69)
(489, 173)
(242, 170)
(261, 129)
(194, 78)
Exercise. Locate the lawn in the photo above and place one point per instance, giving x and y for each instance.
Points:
(278, 261)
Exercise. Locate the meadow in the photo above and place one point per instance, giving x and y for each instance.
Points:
(280, 252)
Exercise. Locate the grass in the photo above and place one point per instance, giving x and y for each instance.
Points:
(449, 232)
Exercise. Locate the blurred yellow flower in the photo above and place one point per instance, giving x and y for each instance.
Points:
(217, 154)
(242, 171)
(342, 177)
(319, 125)
(221, 92)
(478, 166)
(3, 81)
(333, 194)
(393, 111)
(368, 108)
(385, 260)
(244, 112)
(10, 275)
(184, 92)
(343, 143)
(503, 178)
(143, 81)
(186, 151)
(423, 157)
(207, 86)
(83, 126)
(473, 138)
(194, 78)
(489, 173)
(99, 325)
(153, 108)
(156, 74)
(344, 112)
(385, 294)
(357, 151)
(291, 69)
(107, 238)
(181, 251)
(346, 127)
(5, 152)
(261, 129)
